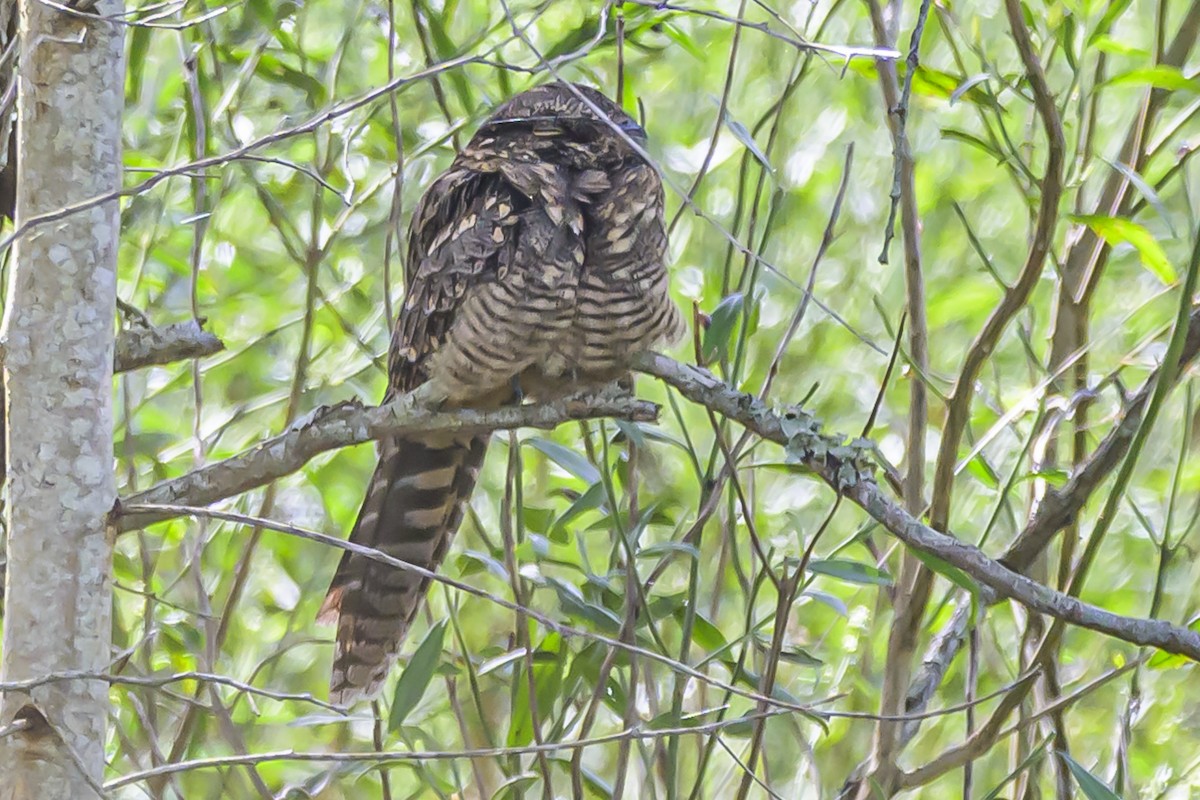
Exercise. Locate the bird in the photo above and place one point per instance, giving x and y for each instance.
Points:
(536, 266)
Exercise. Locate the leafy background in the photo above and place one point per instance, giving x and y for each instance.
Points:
(290, 251)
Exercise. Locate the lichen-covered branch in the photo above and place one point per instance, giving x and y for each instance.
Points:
(333, 427)
(845, 467)
(140, 346)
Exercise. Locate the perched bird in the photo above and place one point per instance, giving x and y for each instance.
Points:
(535, 268)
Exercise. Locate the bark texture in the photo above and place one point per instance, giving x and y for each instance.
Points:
(58, 335)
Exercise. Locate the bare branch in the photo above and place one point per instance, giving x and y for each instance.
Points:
(841, 466)
(140, 346)
(349, 423)
(1018, 294)
(1057, 510)
(1060, 507)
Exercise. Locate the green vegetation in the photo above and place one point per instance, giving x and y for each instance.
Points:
(288, 238)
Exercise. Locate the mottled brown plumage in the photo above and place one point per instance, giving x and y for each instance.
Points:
(535, 264)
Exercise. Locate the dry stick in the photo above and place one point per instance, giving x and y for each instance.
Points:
(510, 528)
(309, 125)
(830, 459)
(1083, 267)
(914, 580)
(1016, 297)
(638, 733)
(215, 630)
(786, 589)
(531, 613)
(310, 256)
(802, 308)
(786, 599)
(719, 124)
(780, 706)
(983, 739)
(1162, 387)
(842, 51)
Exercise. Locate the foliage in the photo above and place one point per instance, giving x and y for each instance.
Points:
(289, 240)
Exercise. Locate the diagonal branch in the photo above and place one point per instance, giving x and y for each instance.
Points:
(841, 466)
(1057, 510)
(1018, 294)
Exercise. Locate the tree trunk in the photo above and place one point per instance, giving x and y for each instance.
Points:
(58, 356)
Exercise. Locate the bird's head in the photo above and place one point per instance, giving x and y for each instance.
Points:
(561, 117)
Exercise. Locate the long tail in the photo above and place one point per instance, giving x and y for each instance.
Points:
(413, 507)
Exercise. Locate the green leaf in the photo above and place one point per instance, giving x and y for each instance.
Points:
(967, 85)
(273, 69)
(630, 431)
(1037, 754)
(1091, 786)
(974, 141)
(573, 603)
(684, 41)
(704, 633)
(139, 45)
(1115, 230)
(720, 327)
(1115, 9)
(1145, 189)
(661, 548)
(416, 676)
(984, 472)
(947, 570)
(471, 562)
(500, 661)
(1107, 44)
(793, 655)
(566, 458)
(830, 600)
(850, 571)
(591, 499)
(1160, 77)
(743, 135)
(515, 786)
(547, 678)
(593, 784)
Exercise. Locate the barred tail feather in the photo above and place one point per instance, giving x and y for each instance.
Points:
(413, 507)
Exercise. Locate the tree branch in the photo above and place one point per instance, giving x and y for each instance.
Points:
(349, 423)
(141, 346)
(845, 468)
(1057, 510)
